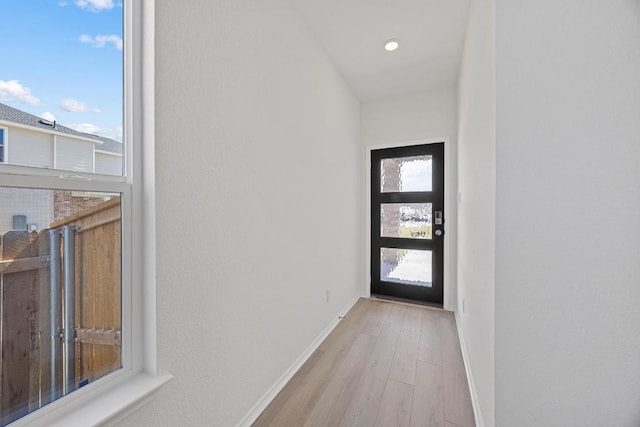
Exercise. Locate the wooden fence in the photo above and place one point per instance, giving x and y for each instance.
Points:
(25, 309)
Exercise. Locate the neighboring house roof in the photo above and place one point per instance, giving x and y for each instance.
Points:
(108, 144)
(14, 115)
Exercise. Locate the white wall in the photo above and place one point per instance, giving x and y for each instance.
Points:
(29, 148)
(108, 163)
(74, 155)
(568, 204)
(259, 192)
(476, 210)
(430, 114)
(425, 115)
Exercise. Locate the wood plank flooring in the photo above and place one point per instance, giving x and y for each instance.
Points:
(385, 364)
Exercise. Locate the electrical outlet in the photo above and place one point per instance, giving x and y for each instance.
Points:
(328, 294)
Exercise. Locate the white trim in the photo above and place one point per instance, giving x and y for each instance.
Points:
(50, 132)
(148, 188)
(471, 383)
(131, 109)
(58, 179)
(55, 151)
(73, 181)
(117, 404)
(114, 404)
(264, 401)
(449, 199)
(108, 153)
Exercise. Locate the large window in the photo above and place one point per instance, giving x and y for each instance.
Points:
(71, 224)
(64, 106)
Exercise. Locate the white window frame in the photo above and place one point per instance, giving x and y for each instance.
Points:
(119, 393)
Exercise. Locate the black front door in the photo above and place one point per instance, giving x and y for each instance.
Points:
(407, 222)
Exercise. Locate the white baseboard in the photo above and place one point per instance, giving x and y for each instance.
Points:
(467, 368)
(264, 401)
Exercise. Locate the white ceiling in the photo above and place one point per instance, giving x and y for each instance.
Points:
(431, 34)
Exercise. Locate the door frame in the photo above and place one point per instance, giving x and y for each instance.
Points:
(450, 241)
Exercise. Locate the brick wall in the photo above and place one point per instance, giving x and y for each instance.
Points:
(67, 203)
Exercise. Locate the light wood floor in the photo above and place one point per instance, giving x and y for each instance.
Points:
(385, 364)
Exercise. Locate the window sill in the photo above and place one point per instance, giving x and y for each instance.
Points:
(110, 407)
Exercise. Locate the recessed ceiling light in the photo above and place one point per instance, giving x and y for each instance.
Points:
(391, 45)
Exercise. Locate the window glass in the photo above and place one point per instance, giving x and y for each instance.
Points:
(69, 117)
(400, 174)
(65, 270)
(60, 279)
(406, 266)
(405, 220)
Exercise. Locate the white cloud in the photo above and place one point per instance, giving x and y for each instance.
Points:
(94, 5)
(117, 133)
(113, 133)
(85, 127)
(75, 106)
(12, 90)
(102, 40)
(48, 116)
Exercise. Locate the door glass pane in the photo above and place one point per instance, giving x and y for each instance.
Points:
(60, 285)
(406, 220)
(401, 174)
(406, 266)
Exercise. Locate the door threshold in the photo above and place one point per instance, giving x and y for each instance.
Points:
(406, 301)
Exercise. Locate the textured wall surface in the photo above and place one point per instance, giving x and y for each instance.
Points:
(568, 201)
(259, 197)
(428, 114)
(476, 211)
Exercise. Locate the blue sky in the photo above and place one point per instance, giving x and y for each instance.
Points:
(62, 60)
